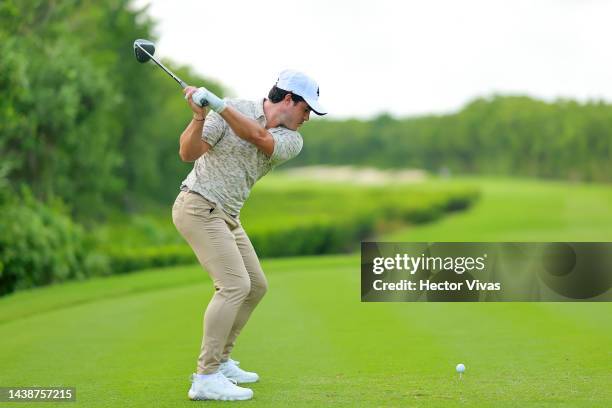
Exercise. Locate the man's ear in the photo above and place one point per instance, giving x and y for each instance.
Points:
(287, 98)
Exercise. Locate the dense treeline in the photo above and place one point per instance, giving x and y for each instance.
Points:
(505, 135)
(85, 130)
(80, 118)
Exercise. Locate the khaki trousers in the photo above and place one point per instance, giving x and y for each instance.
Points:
(225, 251)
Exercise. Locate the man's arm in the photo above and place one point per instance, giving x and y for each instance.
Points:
(249, 130)
(244, 127)
(191, 145)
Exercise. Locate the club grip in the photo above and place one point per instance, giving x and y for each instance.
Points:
(199, 98)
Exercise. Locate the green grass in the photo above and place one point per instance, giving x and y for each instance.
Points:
(132, 340)
(522, 210)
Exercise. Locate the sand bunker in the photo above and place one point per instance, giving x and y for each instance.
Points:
(357, 175)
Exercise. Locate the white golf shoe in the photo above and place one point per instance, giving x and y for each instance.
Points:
(231, 370)
(217, 387)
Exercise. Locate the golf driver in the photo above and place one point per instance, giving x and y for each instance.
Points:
(144, 50)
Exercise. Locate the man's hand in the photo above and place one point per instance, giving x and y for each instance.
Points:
(200, 112)
(203, 97)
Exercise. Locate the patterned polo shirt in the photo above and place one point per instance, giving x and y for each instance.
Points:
(226, 173)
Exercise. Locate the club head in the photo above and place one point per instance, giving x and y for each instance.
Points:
(147, 45)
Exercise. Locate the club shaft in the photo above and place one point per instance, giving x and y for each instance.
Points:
(162, 66)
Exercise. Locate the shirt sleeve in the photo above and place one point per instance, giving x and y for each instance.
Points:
(287, 145)
(214, 127)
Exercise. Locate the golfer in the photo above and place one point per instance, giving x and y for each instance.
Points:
(233, 146)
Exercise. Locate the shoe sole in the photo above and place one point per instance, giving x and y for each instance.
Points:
(216, 397)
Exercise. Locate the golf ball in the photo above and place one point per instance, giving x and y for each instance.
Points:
(460, 368)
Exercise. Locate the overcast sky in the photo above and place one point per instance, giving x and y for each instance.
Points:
(401, 57)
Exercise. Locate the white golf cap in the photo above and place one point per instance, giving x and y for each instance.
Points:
(301, 84)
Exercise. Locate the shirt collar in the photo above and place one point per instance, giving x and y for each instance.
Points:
(260, 116)
(259, 111)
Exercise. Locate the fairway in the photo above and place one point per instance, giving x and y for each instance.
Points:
(522, 210)
(314, 344)
(132, 340)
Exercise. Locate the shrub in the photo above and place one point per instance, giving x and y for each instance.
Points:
(40, 245)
